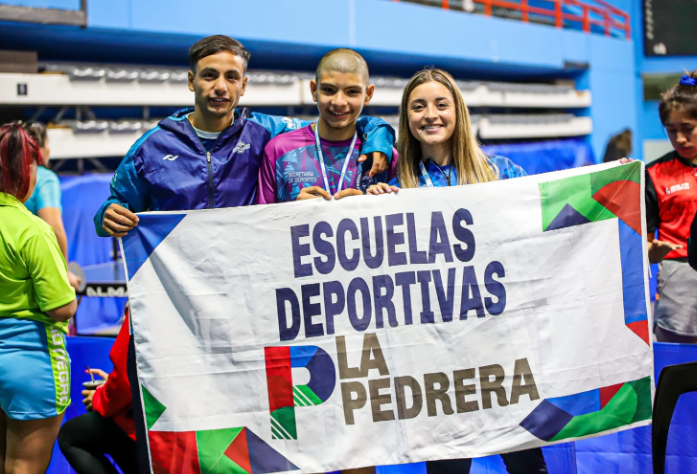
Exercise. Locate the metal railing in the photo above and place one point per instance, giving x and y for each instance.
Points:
(561, 13)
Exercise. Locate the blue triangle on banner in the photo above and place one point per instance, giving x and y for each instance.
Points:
(140, 243)
(264, 459)
(567, 217)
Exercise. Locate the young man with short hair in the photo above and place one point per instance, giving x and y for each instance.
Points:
(321, 159)
(208, 157)
(205, 158)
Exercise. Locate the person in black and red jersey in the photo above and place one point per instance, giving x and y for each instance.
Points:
(671, 204)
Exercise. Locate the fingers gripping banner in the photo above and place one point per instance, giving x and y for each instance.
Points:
(431, 324)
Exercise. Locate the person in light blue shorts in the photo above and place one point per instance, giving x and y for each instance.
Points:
(36, 303)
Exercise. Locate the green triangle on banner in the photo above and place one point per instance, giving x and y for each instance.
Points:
(153, 408)
(627, 172)
(212, 445)
(644, 410)
(574, 191)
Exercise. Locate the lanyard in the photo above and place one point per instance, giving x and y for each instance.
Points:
(325, 178)
(427, 178)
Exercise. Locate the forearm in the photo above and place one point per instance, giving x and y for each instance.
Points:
(63, 313)
(376, 134)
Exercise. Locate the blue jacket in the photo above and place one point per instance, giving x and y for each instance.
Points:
(504, 168)
(168, 169)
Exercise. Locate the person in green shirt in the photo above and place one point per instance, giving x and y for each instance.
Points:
(37, 301)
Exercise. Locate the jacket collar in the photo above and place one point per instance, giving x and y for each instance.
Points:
(178, 124)
(682, 160)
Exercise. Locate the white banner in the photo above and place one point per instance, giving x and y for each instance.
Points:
(429, 324)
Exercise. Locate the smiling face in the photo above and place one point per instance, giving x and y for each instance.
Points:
(682, 131)
(218, 83)
(340, 98)
(431, 113)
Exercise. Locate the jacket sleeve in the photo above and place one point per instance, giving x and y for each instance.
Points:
(128, 188)
(115, 394)
(276, 125)
(506, 168)
(376, 134)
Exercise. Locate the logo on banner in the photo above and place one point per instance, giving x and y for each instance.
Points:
(284, 395)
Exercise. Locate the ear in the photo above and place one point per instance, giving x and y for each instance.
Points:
(191, 80)
(244, 85)
(370, 90)
(313, 89)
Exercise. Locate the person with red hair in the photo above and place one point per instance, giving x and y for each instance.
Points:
(37, 301)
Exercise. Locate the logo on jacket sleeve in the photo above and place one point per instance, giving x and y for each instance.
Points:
(241, 147)
(291, 124)
(170, 157)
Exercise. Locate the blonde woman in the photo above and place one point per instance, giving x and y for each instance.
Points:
(437, 148)
(436, 144)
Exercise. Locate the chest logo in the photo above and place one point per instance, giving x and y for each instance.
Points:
(170, 157)
(677, 187)
(241, 147)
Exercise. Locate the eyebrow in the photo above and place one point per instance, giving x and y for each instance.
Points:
(210, 69)
(352, 86)
(424, 100)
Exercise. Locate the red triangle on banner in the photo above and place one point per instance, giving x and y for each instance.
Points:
(174, 452)
(238, 451)
(606, 393)
(641, 329)
(623, 199)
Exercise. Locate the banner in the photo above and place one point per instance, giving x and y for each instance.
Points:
(434, 323)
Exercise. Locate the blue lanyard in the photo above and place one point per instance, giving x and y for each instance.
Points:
(427, 178)
(325, 178)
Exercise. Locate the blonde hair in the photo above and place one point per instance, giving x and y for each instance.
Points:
(470, 162)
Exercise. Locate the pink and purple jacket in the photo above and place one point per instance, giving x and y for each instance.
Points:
(291, 163)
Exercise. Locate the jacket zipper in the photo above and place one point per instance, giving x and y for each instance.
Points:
(210, 180)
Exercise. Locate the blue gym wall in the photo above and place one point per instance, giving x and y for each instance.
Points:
(395, 37)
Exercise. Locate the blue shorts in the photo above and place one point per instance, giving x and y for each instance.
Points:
(34, 370)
